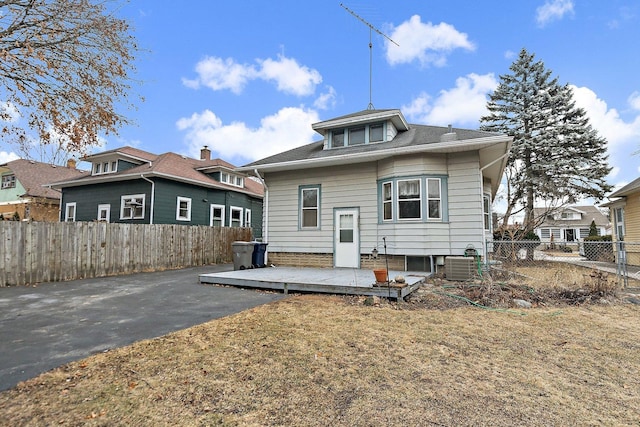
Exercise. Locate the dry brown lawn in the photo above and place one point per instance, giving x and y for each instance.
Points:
(335, 361)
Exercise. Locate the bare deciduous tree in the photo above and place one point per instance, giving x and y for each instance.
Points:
(65, 68)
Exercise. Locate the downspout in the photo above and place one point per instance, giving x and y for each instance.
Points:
(153, 194)
(484, 242)
(265, 213)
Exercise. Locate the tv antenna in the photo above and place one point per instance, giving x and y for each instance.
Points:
(371, 28)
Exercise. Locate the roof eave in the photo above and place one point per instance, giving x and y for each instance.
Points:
(127, 177)
(457, 146)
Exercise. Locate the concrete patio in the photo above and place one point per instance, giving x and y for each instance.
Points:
(346, 281)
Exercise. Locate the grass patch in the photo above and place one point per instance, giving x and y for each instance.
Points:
(325, 360)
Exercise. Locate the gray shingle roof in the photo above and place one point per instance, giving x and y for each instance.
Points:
(415, 136)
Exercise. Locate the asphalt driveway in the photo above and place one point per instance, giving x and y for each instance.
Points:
(49, 325)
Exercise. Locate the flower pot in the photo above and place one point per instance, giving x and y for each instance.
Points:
(381, 275)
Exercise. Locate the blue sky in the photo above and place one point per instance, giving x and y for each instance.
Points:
(248, 78)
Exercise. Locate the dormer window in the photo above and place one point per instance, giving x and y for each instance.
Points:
(357, 135)
(234, 180)
(105, 167)
(8, 181)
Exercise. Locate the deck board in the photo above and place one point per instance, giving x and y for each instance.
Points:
(347, 281)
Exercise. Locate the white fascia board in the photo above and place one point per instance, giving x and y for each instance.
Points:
(457, 146)
(395, 116)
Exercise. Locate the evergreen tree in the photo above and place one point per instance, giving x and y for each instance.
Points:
(556, 156)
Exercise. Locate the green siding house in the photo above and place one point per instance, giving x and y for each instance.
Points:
(129, 185)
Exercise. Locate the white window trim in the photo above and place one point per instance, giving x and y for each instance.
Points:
(178, 216)
(486, 214)
(106, 208)
(247, 217)
(132, 196)
(67, 217)
(235, 209)
(211, 217)
(8, 181)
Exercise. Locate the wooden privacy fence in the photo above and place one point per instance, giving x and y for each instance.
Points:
(34, 252)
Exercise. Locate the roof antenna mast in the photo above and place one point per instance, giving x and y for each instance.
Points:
(371, 27)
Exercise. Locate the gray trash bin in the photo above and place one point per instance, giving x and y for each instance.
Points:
(242, 253)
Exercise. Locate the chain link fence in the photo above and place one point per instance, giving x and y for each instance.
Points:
(562, 263)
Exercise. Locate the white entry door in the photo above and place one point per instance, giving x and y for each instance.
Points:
(347, 238)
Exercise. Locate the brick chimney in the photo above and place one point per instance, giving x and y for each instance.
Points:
(205, 153)
(71, 163)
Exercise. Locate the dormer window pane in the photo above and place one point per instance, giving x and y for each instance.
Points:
(114, 166)
(337, 138)
(224, 177)
(98, 167)
(375, 133)
(356, 136)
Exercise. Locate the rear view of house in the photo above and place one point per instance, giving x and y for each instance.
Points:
(129, 185)
(373, 180)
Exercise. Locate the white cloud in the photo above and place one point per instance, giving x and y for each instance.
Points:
(220, 74)
(425, 42)
(226, 74)
(7, 157)
(634, 100)
(553, 10)
(607, 121)
(462, 105)
(326, 100)
(623, 137)
(290, 76)
(288, 128)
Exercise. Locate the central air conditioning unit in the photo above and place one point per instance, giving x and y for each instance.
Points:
(460, 267)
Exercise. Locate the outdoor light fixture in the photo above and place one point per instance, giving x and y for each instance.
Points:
(374, 253)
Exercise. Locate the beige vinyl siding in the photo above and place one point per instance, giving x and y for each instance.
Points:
(412, 165)
(465, 203)
(465, 225)
(356, 186)
(341, 187)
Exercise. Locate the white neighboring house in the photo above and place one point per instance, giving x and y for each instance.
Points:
(425, 191)
(571, 223)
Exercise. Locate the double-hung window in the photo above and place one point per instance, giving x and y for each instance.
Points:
(434, 199)
(247, 217)
(387, 201)
(310, 207)
(236, 217)
(183, 209)
(217, 216)
(132, 206)
(70, 212)
(409, 199)
(486, 211)
(416, 198)
(619, 221)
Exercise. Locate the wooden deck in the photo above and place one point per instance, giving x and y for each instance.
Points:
(344, 281)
